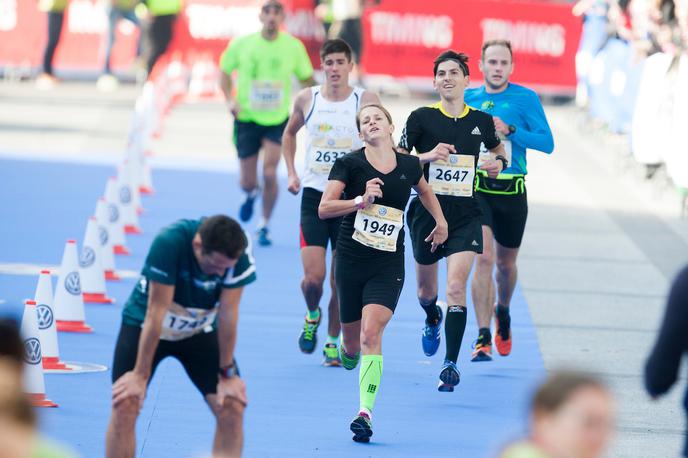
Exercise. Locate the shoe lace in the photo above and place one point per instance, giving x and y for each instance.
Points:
(308, 330)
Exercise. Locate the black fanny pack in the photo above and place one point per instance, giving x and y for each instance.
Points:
(504, 184)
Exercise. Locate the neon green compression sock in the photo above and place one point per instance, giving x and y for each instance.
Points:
(369, 376)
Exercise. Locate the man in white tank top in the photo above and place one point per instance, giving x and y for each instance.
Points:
(329, 114)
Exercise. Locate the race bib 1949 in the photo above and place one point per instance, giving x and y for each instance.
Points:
(453, 177)
(324, 151)
(378, 226)
(266, 95)
(180, 322)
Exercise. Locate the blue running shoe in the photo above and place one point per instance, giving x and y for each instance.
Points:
(246, 208)
(349, 362)
(264, 237)
(431, 335)
(449, 377)
(362, 428)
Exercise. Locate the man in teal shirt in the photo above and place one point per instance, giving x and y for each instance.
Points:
(265, 63)
(185, 305)
(521, 124)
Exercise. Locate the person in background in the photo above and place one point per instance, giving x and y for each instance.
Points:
(19, 437)
(661, 368)
(55, 10)
(163, 15)
(571, 417)
(116, 10)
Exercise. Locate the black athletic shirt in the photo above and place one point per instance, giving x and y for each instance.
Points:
(428, 126)
(355, 171)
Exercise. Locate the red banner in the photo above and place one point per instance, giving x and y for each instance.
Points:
(401, 37)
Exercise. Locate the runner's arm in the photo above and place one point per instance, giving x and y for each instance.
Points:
(536, 134)
(296, 122)
(227, 319)
(432, 205)
(331, 206)
(160, 296)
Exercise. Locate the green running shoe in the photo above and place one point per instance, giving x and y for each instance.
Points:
(331, 353)
(309, 337)
(349, 362)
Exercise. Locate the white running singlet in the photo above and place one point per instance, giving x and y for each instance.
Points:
(332, 133)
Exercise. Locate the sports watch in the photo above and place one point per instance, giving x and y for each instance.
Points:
(358, 201)
(503, 160)
(228, 371)
(512, 129)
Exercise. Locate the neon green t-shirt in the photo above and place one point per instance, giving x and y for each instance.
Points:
(52, 6)
(164, 7)
(264, 75)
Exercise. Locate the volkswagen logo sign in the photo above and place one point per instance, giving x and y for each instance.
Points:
(32, 348)
(453, 159)
(103, 235)
(124, 194)
(382, 211)
(88, 257)
(73, 283)
(330, 142)
(45, 316)
(114, 213)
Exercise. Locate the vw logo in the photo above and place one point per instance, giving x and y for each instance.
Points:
(88, 256)
(124, 194)
(73, 283)
(45, 316)
(103, 235)
(32, 348)
(330, 142)
(453, 159)
(382, 211)
(114, 213)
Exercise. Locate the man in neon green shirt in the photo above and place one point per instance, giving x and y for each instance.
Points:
(265, 63)
(163, 15)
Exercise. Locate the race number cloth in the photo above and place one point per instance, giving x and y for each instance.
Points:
(378, 226)
(324, 151)
(453, 177)
(266, 95)
(183, 322)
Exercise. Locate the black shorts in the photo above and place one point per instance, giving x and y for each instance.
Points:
(367, 281)
(313, 230)
(505, 215)
(465, 231)
(199, 355)
(248, 136)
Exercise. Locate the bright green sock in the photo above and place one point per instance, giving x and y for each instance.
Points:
(313, 316)
(332, 340)
(369, 376)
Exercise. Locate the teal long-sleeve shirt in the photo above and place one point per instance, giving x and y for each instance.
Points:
(521, 107)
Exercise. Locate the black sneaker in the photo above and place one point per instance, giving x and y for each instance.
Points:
(362, 428)
(449, 377)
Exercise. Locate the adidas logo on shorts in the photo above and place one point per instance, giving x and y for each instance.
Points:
(474, 243)
(476, 131)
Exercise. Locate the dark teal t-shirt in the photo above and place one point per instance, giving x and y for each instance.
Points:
(171, 261)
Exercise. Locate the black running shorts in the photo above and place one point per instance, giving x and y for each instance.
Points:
(465, 231)
(506, 215)
(199, 355)
(367, 281)
(248, 136)
(314, 231)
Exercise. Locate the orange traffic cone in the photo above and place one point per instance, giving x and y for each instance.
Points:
(34, 383)
(90, 267)
(119, 244)
(127, 201)
(69, 302)
(107, 253)
(47, 329)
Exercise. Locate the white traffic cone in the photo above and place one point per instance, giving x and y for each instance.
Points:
(34, 383)
(69, 302)
(127, 201)
(107, 254)
(146, 186)
(90, 267)
(47, 328)
(119, 243)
